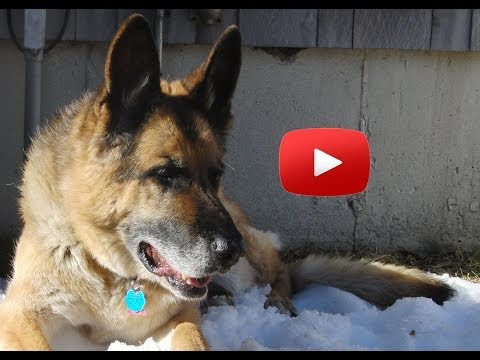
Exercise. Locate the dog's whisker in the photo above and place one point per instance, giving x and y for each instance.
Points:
(230, 166)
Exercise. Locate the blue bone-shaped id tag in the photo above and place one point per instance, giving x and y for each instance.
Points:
(135, 301)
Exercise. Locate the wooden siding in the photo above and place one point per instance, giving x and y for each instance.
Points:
(415, 29)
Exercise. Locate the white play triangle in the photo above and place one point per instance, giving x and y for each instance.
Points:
(323, 162)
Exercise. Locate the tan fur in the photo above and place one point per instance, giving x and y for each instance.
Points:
(380, 284)
(73, 268)
(263, 256)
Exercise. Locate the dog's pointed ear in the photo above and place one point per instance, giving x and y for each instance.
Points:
(132, 74)
(214, 82)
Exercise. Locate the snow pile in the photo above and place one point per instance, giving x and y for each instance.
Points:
(330, 319)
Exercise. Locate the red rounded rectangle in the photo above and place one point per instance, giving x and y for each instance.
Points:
(324, 162)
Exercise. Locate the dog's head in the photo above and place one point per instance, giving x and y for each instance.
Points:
(153, 163)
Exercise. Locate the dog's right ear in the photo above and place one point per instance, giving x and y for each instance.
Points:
(213, 83)
(132, 74)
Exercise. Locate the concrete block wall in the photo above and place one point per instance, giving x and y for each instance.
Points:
(419, 110)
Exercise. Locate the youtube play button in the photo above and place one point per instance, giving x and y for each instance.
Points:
(324, 162)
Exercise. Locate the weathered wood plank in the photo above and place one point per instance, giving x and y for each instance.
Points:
(208, 34)
(335, 28)
(451, 29)
(55, 18)
(17, 23)
(392, 28)
(279, 27)
(437, 29)
(54, 23)
(95, 24)
(3, 24)
(178, 28)
(475, 36)
(149, 14)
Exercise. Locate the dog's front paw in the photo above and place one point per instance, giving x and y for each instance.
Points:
(283, 305)
(188, 337)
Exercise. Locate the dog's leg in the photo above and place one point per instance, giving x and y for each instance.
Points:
(280, 296)
(379, 284)
(265, 259)
(217, 296)
(19, 329)
(184, 331)
(262, 254)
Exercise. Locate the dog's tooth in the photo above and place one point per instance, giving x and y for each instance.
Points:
(184, 277)
(189, 282)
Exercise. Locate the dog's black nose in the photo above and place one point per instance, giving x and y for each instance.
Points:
(219, 245)
(227, 252)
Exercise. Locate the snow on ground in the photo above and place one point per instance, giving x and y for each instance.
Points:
(330, 319)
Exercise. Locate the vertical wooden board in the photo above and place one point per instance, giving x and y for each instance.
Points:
(178, 28)
(17, 23)
(392, 28)
(451, 29)
(54, 23)
(475, 35)
(3, 24)
(95, 24)
(208, 34)
(149, 14)
(279, 27)
(55, 19)
(335, 28)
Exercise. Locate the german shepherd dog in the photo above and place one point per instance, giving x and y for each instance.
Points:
(121, 193)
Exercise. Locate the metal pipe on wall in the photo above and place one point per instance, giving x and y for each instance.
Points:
(34, 43)
(159, 27)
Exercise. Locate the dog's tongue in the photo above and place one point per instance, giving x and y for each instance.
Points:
(164, 269)
(199, 282)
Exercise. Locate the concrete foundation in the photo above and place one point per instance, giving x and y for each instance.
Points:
(419, 110)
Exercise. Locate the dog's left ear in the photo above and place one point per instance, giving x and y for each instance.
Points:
(213, 83)
(132, 74)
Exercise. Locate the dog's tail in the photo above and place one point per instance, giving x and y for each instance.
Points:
(377, 283)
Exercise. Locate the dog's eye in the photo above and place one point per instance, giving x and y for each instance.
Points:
(214, 176)
(171, 176)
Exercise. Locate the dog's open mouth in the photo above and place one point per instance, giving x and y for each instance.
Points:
(155, 263)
